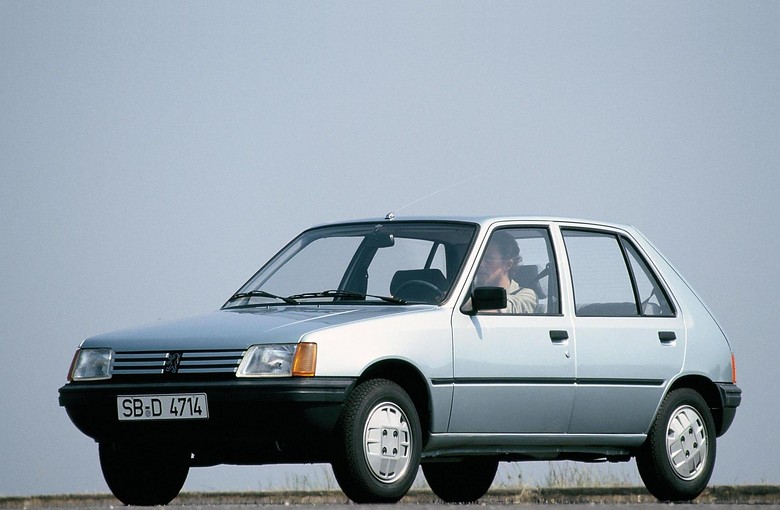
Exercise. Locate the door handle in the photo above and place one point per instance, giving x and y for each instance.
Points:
(559, 336)
(667, 337)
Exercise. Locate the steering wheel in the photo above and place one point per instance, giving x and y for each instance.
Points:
(427, 292)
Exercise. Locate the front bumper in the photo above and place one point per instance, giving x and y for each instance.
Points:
(250, 420)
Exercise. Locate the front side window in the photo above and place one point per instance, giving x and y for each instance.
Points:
(521, 261)
(395, 262)
(610, 278)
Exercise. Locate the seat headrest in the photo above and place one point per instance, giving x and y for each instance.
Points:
(433, 276)
(527, 276)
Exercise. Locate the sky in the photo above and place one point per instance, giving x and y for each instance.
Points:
(154, 155)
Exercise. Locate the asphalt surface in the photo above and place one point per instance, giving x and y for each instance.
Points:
(535, 506)
(440, 506)
(720, 498)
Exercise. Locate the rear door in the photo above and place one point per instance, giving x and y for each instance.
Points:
(630, 337)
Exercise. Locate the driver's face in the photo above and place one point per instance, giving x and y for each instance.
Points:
(493, 269)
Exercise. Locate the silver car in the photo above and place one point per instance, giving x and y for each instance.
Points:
(380, 346)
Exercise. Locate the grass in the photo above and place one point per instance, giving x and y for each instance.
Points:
(510, 476)
(569, 474)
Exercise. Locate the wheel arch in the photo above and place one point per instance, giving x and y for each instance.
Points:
(709, 391)
(408, 377)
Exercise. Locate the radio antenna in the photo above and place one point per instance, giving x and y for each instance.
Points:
(391, 214)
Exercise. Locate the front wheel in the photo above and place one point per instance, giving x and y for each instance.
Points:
(378, 443)
(139, 476)
(464, 481)
(677, 460)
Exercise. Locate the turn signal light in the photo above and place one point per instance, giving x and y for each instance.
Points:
(305, 360)
(733, 369)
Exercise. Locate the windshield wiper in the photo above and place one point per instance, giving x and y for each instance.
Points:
(261, 293)
(345, 294)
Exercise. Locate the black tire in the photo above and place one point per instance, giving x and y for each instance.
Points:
(378, 443)
(464, 481)
(677, 459)
(140, 476)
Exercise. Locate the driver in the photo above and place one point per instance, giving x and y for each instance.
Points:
(501, 255)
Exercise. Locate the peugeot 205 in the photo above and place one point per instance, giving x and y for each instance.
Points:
(383, 346)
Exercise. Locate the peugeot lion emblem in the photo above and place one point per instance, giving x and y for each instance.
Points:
(172, 361)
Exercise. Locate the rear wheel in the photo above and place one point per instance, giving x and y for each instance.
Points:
(677, 460)
(464, 481)
(138, 476)
(378, 443)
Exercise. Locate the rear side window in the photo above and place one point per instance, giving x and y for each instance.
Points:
(652, 297)
(610, 277)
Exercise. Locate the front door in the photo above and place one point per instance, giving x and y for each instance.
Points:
(514, 368)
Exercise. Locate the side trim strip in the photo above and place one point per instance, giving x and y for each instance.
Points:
(531, 381)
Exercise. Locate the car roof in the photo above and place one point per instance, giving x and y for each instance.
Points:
(484, 221)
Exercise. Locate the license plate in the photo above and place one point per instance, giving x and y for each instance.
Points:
(190, 406)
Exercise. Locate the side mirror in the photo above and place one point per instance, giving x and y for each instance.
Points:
(487, 298)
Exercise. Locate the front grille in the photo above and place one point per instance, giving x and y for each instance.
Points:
(191, 362)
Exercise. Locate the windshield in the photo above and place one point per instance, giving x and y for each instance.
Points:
(393, 262)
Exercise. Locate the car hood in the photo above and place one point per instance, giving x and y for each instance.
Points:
(240, 328)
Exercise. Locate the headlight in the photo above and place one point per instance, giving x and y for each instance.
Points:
(91, 365)
(279, 360)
